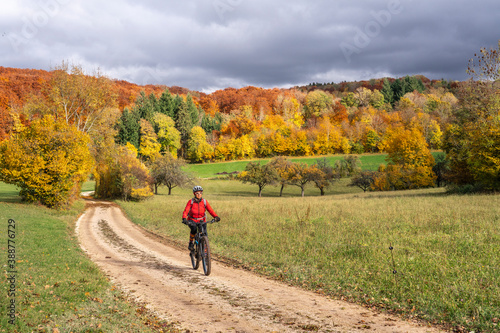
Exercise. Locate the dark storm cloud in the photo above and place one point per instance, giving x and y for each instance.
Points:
(214, 44)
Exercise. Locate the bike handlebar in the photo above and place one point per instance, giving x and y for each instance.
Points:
(193, 223)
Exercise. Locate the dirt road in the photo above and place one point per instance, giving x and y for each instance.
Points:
(229, 300)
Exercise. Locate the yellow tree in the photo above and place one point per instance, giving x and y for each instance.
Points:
(410, 160)
(243, 147)
(198, 148)
(48, 161)
(119, 173)
(329, 139)
(299, 143)
(149, 146)
(168, 136)
(288, 107)
(317, 103)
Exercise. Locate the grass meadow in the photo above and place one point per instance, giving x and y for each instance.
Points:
(210, 170)
(56, 285)
(443, 266)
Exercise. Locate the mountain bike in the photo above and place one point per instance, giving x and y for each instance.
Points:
(201, 252)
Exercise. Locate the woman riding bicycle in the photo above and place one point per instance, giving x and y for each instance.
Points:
(196, 211)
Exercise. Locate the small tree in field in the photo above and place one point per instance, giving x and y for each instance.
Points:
(348, 166)
(281, 165)
(48, 161)
(300, 174)
(260, 175)
(322, 174)
(364, 180)
(166, 170)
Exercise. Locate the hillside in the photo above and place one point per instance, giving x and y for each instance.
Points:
(17, 85)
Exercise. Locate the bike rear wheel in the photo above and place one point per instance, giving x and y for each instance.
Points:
(195, 257)
(205, 255)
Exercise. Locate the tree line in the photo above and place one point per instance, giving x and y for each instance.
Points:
(75, 111)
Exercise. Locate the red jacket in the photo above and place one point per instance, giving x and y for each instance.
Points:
(196, 211)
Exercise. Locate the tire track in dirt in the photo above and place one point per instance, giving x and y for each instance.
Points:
(228, 300)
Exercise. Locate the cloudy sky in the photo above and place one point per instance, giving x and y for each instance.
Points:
(213, 44)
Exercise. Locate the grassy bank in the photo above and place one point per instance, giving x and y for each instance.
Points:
(56, 285)
(443, 267)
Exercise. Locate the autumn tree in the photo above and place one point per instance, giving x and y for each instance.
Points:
(472, 141)
(350, 100)
(322, 174)
(260, 175)
(234, 148)
(239, 126)
(364, 180)
(299, 174)
(120, 174)
(282, 166)
(329, 139)
(166, 170)
(288, 107)
(371, 141)
(317, 103)
(377, 99)
(409, 161)
(78, 98)
(149, 147)
(198, 149)
(167, 135)
(48, 161)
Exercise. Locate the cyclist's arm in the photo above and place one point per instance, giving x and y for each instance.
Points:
(210, 210)
(186, 210)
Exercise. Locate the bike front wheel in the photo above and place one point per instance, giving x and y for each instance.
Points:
(205, 255)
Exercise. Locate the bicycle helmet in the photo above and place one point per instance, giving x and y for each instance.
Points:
(197, 188)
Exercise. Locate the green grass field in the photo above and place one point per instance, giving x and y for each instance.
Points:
(445, 247)
(369, 162)
(210, 170)
(56, 285)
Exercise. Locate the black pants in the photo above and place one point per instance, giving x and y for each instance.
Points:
(194, 229)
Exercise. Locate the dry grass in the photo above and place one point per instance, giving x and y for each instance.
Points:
(443, 267)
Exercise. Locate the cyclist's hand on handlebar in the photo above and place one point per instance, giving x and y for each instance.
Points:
(185, 221)
(217, 219)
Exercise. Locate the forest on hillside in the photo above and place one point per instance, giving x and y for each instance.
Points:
(129, 129)
(349, 117)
